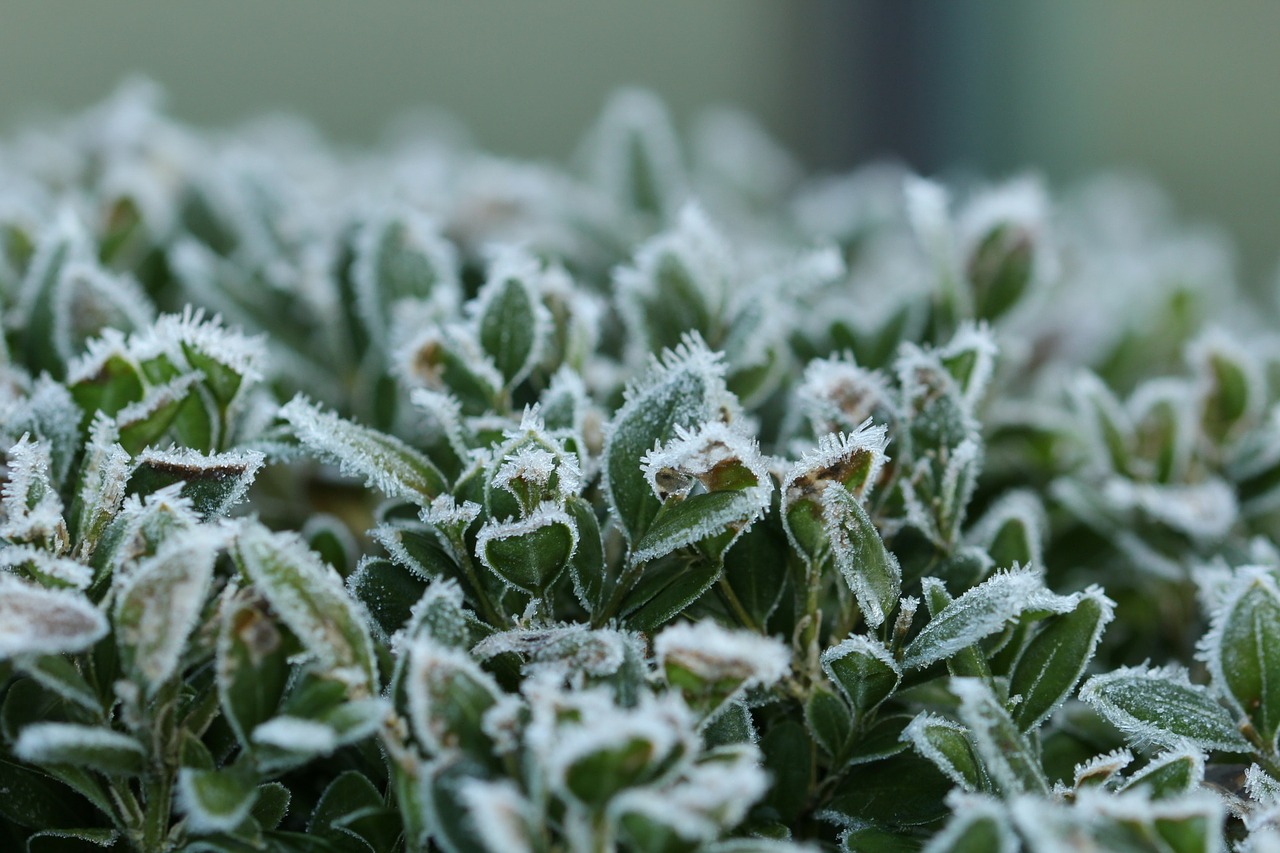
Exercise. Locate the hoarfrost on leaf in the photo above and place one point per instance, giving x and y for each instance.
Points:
(39, 621)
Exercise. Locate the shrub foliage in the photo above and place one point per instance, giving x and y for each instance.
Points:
(668, 501)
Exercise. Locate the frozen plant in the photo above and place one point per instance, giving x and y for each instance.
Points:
(419, 499)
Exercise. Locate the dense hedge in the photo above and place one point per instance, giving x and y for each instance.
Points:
(421, 499)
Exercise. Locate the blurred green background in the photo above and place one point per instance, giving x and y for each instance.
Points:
(1181, 90)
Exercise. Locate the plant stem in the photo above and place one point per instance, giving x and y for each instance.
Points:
(735, 604)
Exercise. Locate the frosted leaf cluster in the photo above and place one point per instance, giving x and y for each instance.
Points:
(668, 499)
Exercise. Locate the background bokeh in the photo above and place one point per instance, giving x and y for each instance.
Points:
(1180, 90)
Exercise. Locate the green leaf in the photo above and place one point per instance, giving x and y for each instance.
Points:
(999, 269)
(1052, 662)
(215, 800)
(1163, 706)
(829, 721)
(271, 805)
(1010, 761)
(310, 598)
(684, 389)
(865, 672)
(905, 790)
(348, 804)
(39, 621)
(531, 553)
(665, 590)
(981, 612)
(787, 747)
(73, 745)
(979, 825)
(214, 483)
(385, 463)
(859, 553)
(448, 696)
(252, 664)
(159, 603)
(387, 591)
(756, 568)
(64, 840)
(712, 519)
(36, 801)
(510, 326)
(1169, 775)
(587, 566)
(948, 747)
(1243, 651)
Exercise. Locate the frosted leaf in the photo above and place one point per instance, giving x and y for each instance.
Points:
(717, 456)
(385, 463)
(976, 820)
(735, 151)
(227, 358)
(948, 746)
(504, 819)
(445, 513)
(143, 524)
(715, 655)
(870, 570)
(448, 695)
(49, 569)
(1260, 786)
(531, 552)
(30, 509)
(296, 734)
(864, 671)
(512, 324)
(533, 466)
(159, 603)
(1014, 766)
(1016, 523)
(1238, 649)
(447, 359)
(310, 598)
(970, 358)
(214, 800)
(647, 808)
(1101, 769)
(679, 281)
(401, 256)
(981, 612)
(443, 417)
(684, 388)
(35, 620)
(213, 482)
(633, 154)
(1165, 431)
(1162, 707)
(1231, 382)
(1204, 511)
(80, 746)
(144, 421)
(439, 614)
(836, 395)
(571, 650)
(88, 298)
(1108, 430)
(1174, 772)
(104, 475)
(51, 416)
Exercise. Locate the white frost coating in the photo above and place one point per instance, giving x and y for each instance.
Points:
(635, 122)
(1013, 766)
(104, 476)
(980, 612)
(715, 654)
(384, 462)
(312, 600)
(692, 357)
(1101, 769)
(502, 815)
(419, 360)
(544, 515)
(239, 466)
(64, 238)
(446, 513)
(1204, 511)
(977, 341)
(836, 394)
(503, 723)
(533, 456)
(868, 568)
(159, 602)
(434, 672)
(1218, 343)
(917, 734)
(509, 263)
(35, 620)
(157, 397)
(296, 734)
(445, 414)
(62, 571)
(569, 650)
(1190, 707)
(699, 454)
(1021, 506)
(173, 334)
(1260, 786)
(1102, 418)
(420, 235)
(835, 451)
(1195, 756)
(86, 291)
(860, 645)
(41, 743)
(30, 509)
(1022, 202)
